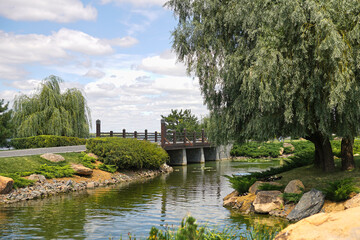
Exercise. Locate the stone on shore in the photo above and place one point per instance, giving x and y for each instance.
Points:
(53, 157)
(6, 184)
(294, 186)
(254, 189)
(353, 202)
(267, 201)
(309, 204)
(324, 226)
(93, 155)
(81, 170)
(37, 177)
(166, 168)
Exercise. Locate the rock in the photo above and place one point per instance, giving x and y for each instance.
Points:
(309, 204)
(166, 168)
(69, 183)
(53, 157)
(81, 170)
(323, 226)
(6, 184)
(353, 202)
(254, 189)
(330, 206)
(37, 177)
(231, 195)
(289, 145)
(93, 156)
(294, 186)
(267, 201)
(282, 212)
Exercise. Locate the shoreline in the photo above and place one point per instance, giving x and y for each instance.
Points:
(53, 187)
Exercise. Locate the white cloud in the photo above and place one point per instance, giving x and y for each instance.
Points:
(51, 10)
(94, 73)
(165, 63)
(30, 84)
(138, 3)
(122, 42)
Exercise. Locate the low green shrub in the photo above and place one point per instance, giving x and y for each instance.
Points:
(256, 149)
(241, 183)
(271, 187)
(340, 190)
(87, 161)
(19, 182)
(55, 171)
(292, 197)
(42, 141)
(107, 168)
(128, 153)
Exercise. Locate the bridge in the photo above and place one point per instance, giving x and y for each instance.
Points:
(183, 148)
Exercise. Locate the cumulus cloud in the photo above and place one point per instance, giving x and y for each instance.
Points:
(62, 11)
(94, 73)
(138, 3)
(17, 49)
(163, 64)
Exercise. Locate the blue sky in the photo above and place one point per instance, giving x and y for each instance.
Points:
(118, 52)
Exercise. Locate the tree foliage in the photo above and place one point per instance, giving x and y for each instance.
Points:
(50, 112)
(275, 68)
(5, 123)
(178, 120)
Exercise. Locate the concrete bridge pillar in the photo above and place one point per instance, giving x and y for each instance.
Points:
(211, 154)
(195, 155)
(177, 157)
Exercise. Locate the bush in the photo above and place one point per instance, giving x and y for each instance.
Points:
(292, 197)
(42, 141)
(127, 153)
(340, 190)
(241, 183)
(256, 149)
(19, 182)
(271, 187)
(87, 161)
(107, 168)
(55, 171)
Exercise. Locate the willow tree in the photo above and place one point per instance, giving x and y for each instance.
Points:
(275, 68)
(51, 112)
(5, 123)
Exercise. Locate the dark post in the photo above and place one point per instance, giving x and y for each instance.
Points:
(98, 128)
(194, 135)
(146, 136)
(184, 135)
(174, 137)
(202, 135)
(111, 133)
(155, 136)
(135, 134)
(124, 133)
(163, 132)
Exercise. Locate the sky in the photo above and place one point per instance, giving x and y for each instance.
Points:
(117, 52)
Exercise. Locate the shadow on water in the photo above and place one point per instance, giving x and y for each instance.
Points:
(196, 189)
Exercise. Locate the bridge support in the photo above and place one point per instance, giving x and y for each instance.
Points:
(177, 157)
(195, 155)
(211, 154)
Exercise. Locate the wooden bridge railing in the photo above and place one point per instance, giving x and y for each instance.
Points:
(165, 137)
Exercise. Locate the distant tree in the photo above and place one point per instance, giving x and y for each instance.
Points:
(5, 123)
(179, 120)
(50, 112)
(275, 68)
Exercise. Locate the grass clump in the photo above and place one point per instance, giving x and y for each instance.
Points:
(107, 168)
(241, 183)
(292, 197)
(42, 141)
(55, 171)
(19, 181)
(271, 187)
(87, 161)
(340, 190)
(128, 153)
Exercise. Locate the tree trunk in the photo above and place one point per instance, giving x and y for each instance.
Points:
(324, 157)
(347, 157)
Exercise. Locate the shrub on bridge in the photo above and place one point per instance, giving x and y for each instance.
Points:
(46, 141)
(128, 153)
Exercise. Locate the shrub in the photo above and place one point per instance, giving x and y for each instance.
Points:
(107, 168)
(241, 183)
(42, 141)
(55, 171)
(292, 197)
(271, 187)
(19, 181)
(87, 161)
(340, 190)
(256, 149)
(128, 153)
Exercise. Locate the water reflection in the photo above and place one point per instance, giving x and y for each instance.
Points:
(134, 207)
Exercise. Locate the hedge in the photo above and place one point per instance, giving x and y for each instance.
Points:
(46, 141)
(128, 153)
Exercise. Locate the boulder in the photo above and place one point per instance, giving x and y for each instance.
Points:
(254, 189)
(166, 168)
(53, 157)
(267, 201)
(323, 226)
(93, 155)
(81, 170)
(37, 177)
(353, 202)
(294, 186)
(6, 184)
(309, 204)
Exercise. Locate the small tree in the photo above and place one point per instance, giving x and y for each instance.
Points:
(5, 123)
(180, 120)
(50, 112)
